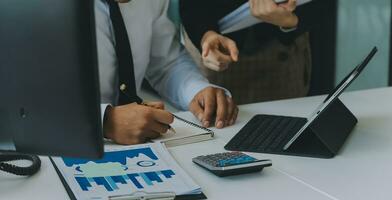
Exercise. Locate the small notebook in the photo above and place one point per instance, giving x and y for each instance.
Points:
(186, 132)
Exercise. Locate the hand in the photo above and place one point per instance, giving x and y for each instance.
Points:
(277, 14)
(213, 103)
(134, 124)
(218, 51)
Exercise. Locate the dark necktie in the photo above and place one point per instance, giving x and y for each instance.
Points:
(126, 74)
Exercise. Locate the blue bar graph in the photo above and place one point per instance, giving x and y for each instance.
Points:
(135, 182)
(83, 182)
(154, 176)
(102, 181)
(111, 183)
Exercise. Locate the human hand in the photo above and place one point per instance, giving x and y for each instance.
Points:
(277, 14)
(212, 104)
(218, 51)
(134, 124)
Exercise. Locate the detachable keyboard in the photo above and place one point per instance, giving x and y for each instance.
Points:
(266, 134)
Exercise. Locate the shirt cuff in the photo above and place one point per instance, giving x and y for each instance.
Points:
(287, 30)
(104, 106)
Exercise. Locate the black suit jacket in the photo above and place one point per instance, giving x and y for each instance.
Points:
(200, 16)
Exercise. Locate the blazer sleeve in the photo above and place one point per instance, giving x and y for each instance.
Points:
(200, 16)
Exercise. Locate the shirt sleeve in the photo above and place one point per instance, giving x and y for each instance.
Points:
(200, 16)
(172, 72)
(104, 106)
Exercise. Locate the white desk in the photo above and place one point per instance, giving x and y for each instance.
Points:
(362, 170)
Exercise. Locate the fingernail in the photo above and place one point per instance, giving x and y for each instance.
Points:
(219, 124)
(206, 124)
(232, 122)
(200, 117)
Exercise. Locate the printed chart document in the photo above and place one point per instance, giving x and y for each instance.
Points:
(242, 18)
(124, 172)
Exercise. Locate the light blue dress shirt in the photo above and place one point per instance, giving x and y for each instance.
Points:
(158, 56)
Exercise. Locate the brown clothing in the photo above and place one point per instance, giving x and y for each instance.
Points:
(273, 71)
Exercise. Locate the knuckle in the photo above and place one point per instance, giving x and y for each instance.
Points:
(148, 113)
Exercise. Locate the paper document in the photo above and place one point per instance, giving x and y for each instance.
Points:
(242, 18)
(146, 168)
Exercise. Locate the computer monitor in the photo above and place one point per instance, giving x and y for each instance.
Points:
(50, 101)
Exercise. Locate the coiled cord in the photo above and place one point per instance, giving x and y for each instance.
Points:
(6, 157)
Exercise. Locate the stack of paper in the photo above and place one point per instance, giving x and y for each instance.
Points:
(124, 172)
(242, 18)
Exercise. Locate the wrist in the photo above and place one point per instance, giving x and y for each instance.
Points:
(290, 22)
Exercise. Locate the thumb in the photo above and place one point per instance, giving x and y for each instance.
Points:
(205, 49)
(197, 110)
(233, 50)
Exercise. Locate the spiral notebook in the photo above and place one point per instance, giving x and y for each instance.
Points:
(186, 132)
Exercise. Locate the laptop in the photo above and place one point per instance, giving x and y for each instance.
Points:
(320, 135)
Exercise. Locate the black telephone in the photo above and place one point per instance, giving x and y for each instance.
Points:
(6, 157)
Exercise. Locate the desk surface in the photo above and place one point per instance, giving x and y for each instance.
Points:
(362, 170)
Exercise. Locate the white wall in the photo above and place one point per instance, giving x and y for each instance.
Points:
(363, 24)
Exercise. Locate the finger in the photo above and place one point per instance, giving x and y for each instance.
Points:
(153, 135)
(230, 111)
(211, 59)
(232, 47)
(269, 3)
(266, 7)
(197, 110)
(162, 116)
(221, 110)
(211, 63)
(157, 105)
(222, 58)
(291, 5)
(235, 115)
(209, 108)
(206, 48)
(211, 66)
(157, 127)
